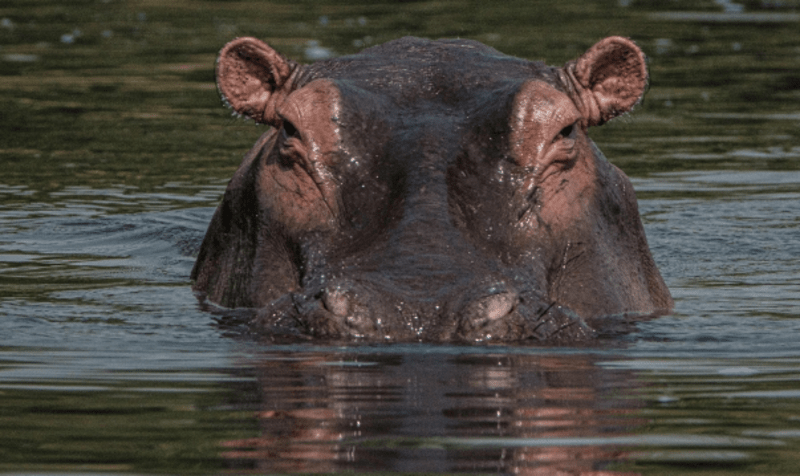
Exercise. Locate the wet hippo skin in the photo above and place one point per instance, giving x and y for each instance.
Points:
(430, 190)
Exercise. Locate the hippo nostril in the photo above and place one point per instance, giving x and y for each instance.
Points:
(492, 308)
(337, 302)
(490, 317)
(348, 312)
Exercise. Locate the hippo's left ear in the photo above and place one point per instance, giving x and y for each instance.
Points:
(252, 78)
(610, 79)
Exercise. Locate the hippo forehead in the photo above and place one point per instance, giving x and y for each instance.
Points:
(415, 71)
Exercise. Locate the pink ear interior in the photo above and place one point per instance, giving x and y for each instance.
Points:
(615, 71)
(249, 74)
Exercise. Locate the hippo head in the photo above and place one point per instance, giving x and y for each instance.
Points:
(430, 190)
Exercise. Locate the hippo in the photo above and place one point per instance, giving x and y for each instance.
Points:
(435, 191)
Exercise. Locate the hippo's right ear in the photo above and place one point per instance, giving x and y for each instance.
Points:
(252, 78)
(610, 78)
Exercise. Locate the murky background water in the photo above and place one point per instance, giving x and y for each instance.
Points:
(114, 150)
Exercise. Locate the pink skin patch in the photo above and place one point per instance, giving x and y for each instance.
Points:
(548, 136)
(299, 189)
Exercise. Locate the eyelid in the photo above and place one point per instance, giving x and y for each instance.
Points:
(289, 130)
(291, 148)
(567, 132)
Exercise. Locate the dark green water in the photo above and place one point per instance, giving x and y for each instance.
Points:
(114, 150)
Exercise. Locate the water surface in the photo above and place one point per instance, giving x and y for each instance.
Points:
(115, 150)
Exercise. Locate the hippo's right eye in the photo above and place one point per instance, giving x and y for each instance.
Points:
(290, 131)
(291, 143)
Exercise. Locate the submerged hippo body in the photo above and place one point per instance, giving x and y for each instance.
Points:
(430, 190)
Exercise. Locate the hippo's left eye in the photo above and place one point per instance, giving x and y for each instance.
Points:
(289, 131)
(567, 132)
(291, 147)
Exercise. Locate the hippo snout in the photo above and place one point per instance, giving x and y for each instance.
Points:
(347, 310)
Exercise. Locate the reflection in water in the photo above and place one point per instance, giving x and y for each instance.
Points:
(437, 412)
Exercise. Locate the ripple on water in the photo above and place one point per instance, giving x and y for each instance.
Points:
(107, 364)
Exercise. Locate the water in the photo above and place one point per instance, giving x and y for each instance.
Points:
(115, 151)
